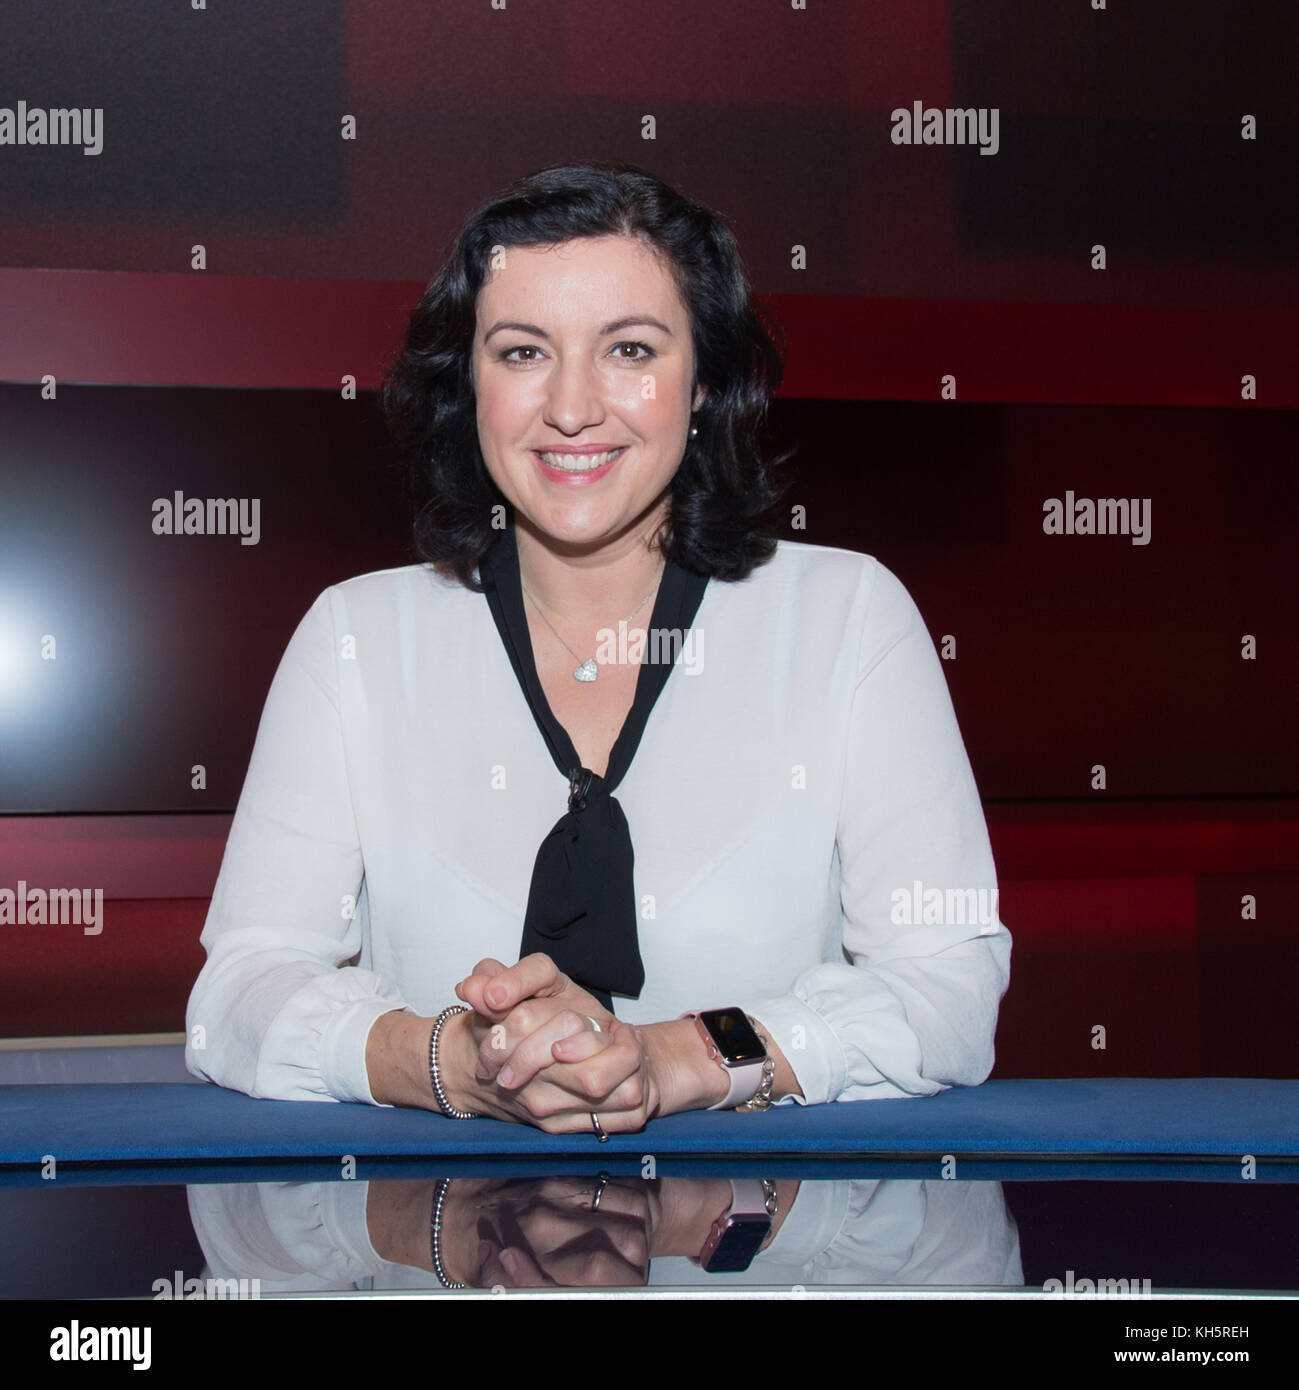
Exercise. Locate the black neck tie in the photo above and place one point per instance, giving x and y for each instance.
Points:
(582, 903)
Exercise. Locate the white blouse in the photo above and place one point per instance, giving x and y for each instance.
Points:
(800, 790)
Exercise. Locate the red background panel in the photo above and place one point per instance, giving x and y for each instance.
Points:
(1121, 954)
(217, 330)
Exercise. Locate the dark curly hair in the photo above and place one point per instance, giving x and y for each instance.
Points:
(722, 516)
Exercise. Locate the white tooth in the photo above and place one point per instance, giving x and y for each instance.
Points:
(578, 463)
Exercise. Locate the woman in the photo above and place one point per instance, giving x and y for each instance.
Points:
(749, 746)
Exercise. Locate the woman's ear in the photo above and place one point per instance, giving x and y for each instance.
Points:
(700, 393)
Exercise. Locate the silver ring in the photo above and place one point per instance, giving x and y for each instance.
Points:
(599, 1191)
(598, 1128)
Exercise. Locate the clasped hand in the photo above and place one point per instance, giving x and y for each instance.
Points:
(539, 1059)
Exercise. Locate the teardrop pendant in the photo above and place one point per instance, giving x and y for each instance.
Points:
(587, 671)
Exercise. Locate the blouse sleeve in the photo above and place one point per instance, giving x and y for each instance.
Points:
(890, 1232)
(276, 1012)
(291, 1237)
(912, 1008)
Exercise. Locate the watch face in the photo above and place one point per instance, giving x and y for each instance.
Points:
(734, 1247)
(733, 1036)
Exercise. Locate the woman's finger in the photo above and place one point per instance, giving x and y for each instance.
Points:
(618, 1079)
(533, 1053)
(611, 1078)
(577, 1047)
(502, 1040)
(471, 988)
(489, 965)
(534, 976)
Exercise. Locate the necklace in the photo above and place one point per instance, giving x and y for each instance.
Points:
(587, 670)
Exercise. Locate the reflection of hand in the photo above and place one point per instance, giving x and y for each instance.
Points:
(534, 1232)
(540, 1060)
(543, 1233)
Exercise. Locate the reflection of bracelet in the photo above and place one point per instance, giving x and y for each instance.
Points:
(761, 1098)
(435, 1229)
(773, 1210)
(434, 1076)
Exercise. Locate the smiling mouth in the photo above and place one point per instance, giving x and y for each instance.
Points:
(578, 463)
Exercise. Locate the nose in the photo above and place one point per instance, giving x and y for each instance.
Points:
(574, 399)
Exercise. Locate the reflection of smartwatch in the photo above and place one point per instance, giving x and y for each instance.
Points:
(734, 1046)
(737, 1236)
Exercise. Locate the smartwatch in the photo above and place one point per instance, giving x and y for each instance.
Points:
(737, 1236)
(734, 1046)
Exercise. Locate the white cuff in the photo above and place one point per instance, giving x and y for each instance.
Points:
(811, 1048)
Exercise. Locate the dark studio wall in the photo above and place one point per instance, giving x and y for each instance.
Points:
(1104, 304)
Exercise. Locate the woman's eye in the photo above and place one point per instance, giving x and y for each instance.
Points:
(643, 352)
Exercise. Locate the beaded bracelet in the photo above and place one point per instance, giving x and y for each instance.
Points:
(435, 1230)
(434, 1076)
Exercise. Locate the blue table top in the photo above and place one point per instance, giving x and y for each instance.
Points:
(1222, 1118)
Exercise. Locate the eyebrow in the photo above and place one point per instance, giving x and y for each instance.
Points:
(631, 321)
